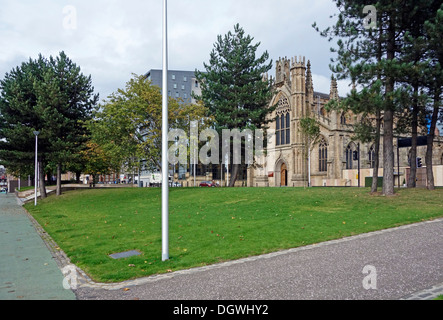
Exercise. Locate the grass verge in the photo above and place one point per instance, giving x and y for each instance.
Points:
(211, 225)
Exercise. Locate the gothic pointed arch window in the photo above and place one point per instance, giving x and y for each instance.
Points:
(323, 156)
(371, 156)
(282, 129)
(349, 154)
(342, 118)
(283, 122)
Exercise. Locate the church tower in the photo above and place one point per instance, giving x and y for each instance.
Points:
(298, 88)
(282, 73)
(298, 94)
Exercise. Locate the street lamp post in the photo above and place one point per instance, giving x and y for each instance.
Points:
(309, 162)
(36, 133)
(358, 155)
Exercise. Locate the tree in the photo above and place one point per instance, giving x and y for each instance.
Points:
(417, 53)
(359, 57)
(49, 96)
(128, 125)
(233, 88)
(19, 116)
(310, 130)
(434, 30)
(367, 55)
(67, 98)
(97, 161)
(368, 104)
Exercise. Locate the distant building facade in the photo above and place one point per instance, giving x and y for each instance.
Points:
(181, 84)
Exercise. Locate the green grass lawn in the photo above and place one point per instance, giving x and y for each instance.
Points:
(26, 188)
(210, 225)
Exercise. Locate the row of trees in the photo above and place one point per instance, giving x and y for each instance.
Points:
(234, 96)
(392, 53)
(76, 133)
(53, 97)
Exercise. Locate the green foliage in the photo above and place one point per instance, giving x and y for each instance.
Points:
(97, 161)
(50, 96)
(434, 75)
(393, 63)
(19, 115)
(310, 127)
(233, 87)
(67, 98)
(128, 126)
(310, 130)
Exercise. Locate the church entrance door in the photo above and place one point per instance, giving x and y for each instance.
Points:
(284, 175)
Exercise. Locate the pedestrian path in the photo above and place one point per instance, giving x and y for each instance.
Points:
(28, 270)
(31, 195)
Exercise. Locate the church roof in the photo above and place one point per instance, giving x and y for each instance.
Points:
(322, 95)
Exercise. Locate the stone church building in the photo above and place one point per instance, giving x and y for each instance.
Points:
(331, 160)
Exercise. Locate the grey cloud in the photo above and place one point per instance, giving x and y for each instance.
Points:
(115, 38)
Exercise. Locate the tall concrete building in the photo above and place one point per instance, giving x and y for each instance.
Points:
(181, 84)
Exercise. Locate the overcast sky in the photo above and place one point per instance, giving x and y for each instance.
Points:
(112, 39)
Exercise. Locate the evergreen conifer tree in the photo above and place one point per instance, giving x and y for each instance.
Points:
(389, 53)
(233, 88)
(52, 97)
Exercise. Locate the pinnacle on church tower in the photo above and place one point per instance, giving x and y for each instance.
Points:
(334, 91)
(309, 82)
(282, 74)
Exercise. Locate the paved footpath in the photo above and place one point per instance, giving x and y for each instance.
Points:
(28, 271)
(400, 263)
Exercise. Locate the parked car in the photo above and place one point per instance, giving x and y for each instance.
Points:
(206, 184)
(209, 184)
(176, 184)
(4, 190)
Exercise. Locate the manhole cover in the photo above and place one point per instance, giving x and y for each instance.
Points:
(125, 254)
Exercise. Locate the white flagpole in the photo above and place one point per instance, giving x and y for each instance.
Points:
(36, 133)
(165, 171)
